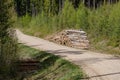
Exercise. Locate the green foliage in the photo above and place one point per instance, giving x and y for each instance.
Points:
(101, 24)
(104, 24)
(22, 7)
(68, 15)
(114, 19)
(34, 7)
(7, 41)
(82, 17)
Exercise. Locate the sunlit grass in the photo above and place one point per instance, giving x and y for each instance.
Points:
(52, 67)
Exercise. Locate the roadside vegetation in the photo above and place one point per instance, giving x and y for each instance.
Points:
(41, 18)
(51, 67)
(101, 24)
(8, 42)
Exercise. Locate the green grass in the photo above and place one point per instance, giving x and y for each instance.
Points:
(52, 67)
(101, 24)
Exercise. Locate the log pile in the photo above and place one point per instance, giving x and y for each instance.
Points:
(71, 38)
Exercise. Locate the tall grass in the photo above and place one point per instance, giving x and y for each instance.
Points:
(101, 24)
(104, 27)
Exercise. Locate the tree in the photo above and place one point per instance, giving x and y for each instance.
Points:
(7, 40)
(22, 7)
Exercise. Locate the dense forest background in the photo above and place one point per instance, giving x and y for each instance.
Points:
(99, 18)
(34, 7)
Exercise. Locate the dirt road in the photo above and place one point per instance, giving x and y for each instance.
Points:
(97, 66)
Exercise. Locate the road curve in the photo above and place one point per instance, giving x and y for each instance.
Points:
(97, 66)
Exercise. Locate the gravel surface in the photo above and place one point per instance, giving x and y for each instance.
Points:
(96, 65)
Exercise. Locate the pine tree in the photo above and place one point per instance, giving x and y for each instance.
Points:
(7, 39)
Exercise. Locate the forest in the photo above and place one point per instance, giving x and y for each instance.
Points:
(55, 6)
(42, 18)
(99, 18)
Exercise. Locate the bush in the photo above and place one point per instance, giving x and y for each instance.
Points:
(8, 45)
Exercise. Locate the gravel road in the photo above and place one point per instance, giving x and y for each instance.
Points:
(96, 65)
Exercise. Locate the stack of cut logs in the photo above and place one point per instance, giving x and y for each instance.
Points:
(72, 38)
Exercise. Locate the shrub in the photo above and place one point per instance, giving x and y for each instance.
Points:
(8, 45)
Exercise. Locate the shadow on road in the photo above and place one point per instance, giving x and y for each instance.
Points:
(103, 75)
(60, 51)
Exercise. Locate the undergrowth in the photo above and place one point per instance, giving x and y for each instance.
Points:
(101, 24)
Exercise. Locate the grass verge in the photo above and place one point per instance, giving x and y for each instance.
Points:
(52, 67)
